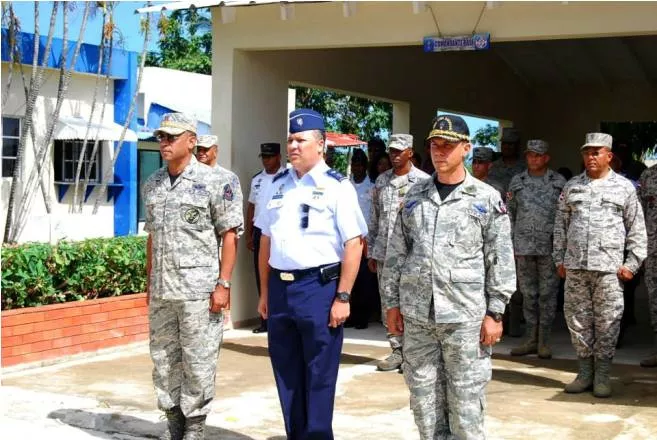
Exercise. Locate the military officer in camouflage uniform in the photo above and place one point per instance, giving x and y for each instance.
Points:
(598, 218)
(532, 201)
(448, 275)
(482, 159)
(648, 195)
(510, 164)
(389, 190)
(188, 206)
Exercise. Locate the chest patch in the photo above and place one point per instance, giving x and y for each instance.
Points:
(191, 215)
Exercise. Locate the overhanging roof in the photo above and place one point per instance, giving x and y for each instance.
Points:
(175, 6)
(72, 127)
(343, 140)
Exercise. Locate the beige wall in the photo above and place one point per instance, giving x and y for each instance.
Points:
(59, 224)
(377, 53)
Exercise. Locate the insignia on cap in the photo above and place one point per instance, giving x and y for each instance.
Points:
(300, 122)
(444, 124)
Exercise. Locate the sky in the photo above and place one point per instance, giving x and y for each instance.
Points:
(125, 17)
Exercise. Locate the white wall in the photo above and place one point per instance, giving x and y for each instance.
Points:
(59, 224)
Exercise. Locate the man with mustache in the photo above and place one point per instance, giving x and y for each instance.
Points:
(599, 219)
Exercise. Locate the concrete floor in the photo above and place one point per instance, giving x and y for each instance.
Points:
(111, 396)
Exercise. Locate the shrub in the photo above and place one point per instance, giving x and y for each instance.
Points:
(37, 274)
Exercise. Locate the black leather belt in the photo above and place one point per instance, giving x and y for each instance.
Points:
(294, 275)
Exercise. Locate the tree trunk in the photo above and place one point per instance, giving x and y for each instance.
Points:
(142, 61)
(64, 80)
(35, 85)
(11, 31)
(109, 35)
(83, 150)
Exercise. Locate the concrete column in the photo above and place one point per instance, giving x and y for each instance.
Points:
(257, 114)
(401, 117)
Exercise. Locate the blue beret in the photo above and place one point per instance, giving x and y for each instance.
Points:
(304, 119)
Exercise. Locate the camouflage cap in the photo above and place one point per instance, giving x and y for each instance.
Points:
(175, 124)
(400, 142)
(538, 146)
(510, 136)
(598, 140)
(482, 154)
(206, 141)
(451, 128)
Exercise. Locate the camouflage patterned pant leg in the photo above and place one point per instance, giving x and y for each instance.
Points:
(527, 273)
(425, 376)
(650, 266)
(593, 306)
(201, 333)
(165, 352)
(447, 370)
(396, 341)
(548, 289)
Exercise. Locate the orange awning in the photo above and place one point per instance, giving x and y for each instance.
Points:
(343, 140)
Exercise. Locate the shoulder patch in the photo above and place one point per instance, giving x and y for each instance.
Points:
(335, 174)
(281, 175)
(501, 207)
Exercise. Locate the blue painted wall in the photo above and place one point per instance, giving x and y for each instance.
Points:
(124, 72)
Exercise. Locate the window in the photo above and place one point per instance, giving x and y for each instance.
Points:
(11, 131)
(148, 162)
(67, 156)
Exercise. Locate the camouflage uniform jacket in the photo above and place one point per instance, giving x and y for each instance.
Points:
(502, 173)
(453, 257)
(182, 221)
(648, 195)
(237, 190)
(596, 221)
(532, 206)
(387, 196)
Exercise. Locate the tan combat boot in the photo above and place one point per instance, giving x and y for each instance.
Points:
(544, 351)
(651, 361)
(602, 382)
(392, 362)
(584, 379)
(195, 428)
(530, 346)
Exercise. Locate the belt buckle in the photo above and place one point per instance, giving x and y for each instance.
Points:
(287, 276)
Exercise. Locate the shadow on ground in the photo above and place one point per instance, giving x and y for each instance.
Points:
(103, 424)
(255, 350)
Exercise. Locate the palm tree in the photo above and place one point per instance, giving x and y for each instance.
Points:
(62, 89)
(35, 85)
(76, 193)
(146, 29)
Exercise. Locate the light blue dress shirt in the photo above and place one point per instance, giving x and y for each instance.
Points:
(329, 202)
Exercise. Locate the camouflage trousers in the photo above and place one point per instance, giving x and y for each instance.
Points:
(650, 266)
(539, 284)
(184, 345)
(396, 341)
(446, 370)
(593, 307)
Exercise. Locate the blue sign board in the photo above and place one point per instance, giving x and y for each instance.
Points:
(446, 44)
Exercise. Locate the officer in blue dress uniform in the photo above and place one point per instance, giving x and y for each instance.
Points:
(310, 251)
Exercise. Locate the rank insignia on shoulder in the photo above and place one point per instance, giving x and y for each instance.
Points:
(228, 193)
(335, 174)
(281, 174)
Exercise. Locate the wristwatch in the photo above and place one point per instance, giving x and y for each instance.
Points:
(342, 297)
(223, 283)
(497, 317)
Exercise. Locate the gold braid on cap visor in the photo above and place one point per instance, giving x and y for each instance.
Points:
(452, 134)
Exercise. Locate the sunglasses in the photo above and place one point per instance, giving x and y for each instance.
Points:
(166, 137)
(304, 218)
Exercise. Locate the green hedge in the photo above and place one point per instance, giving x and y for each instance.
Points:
(37, 274)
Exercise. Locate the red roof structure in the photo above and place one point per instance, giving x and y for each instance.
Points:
(342, 140)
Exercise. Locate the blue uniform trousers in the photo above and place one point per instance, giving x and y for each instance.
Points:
(305, 354)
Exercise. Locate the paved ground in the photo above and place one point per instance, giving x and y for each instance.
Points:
(111, 397)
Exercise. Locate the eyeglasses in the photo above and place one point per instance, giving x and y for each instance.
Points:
(166, 137)
(304, 218)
